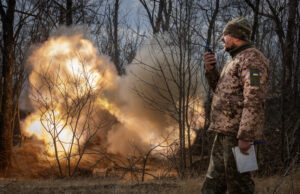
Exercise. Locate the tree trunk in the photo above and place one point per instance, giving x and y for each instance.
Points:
(212, 22)
(116, 51)
(255, 21)
(7, 85)
(16, 125)
(162, 20)
(287, 62)
(255, 9)
(297, 71)
(69, 18)
(61, 15)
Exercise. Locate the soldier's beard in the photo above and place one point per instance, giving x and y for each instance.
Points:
(228, 49)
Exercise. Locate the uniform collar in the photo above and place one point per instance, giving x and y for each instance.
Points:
(239, 49)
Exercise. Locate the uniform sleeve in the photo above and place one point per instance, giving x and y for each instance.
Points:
(254, 78)
(212, 78)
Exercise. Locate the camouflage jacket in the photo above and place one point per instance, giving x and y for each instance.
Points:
(239, 95)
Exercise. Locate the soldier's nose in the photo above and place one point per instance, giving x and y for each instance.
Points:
(222, 39)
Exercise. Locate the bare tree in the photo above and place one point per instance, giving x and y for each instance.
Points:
(69, 15)
(8, 62)
(175, 79)
(287, 41)
(255, 8)
(113, 40)
(67, 106)
(14, 17)
(159, 14)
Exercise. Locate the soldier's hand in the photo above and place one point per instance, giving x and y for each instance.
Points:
(209, 59)
(244, 146)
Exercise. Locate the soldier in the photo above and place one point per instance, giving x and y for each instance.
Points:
(237, 110)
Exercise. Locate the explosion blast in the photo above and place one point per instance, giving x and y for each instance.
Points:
(77, 96)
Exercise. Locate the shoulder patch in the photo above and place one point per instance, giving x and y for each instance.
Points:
(254, 77)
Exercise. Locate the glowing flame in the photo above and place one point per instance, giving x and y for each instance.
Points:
(34, 127)
(67, 74)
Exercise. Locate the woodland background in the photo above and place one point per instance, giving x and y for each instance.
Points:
(119, 29)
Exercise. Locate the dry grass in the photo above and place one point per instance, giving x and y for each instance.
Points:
(277, 184)
(288, 184)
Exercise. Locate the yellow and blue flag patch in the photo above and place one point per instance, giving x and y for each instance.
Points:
(254, 77)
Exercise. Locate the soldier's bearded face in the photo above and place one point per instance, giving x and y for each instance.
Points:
(229, 43)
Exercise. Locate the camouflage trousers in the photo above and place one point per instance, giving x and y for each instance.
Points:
(222, 174)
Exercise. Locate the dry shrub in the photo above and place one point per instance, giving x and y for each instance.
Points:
(29, 161)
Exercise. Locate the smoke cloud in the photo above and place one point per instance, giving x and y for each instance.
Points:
(137, 101)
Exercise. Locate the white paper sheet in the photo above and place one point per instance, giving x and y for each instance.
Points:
(245, 163)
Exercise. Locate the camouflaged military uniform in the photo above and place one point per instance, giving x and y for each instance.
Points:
(237, 112)
(239, 95)
(222, 172)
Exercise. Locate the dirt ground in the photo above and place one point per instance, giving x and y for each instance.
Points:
(274, 184)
